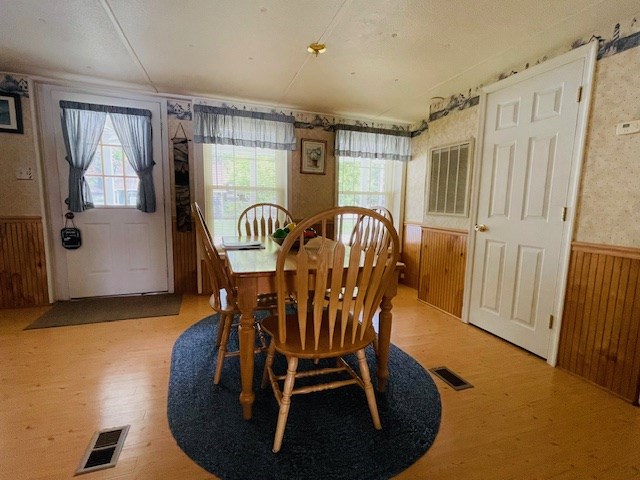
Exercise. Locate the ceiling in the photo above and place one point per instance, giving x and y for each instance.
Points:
(385, 59)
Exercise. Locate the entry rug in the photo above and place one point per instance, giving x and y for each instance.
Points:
(107, 309)
(329, 435)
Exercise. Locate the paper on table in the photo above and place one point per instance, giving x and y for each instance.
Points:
(235, 243)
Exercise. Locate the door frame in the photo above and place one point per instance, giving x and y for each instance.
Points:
(49, 114)
(588, 53)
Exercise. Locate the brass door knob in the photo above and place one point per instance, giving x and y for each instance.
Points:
(480, 228)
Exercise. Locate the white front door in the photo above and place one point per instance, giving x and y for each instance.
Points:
(525, 171)
(124, 250)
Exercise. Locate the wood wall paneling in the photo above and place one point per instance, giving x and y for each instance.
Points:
(411, 242)
(23, 271)
(442, 268)
(185, 261)
(600, 335)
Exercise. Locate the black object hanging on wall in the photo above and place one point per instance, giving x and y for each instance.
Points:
(181, 180)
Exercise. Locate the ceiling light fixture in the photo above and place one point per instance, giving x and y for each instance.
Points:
(317, 48)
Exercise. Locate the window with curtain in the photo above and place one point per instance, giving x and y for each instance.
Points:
(245, 161)
(371, 167)
(116, 153)
(236, 177)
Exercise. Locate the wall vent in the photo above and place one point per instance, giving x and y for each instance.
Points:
(104, 450)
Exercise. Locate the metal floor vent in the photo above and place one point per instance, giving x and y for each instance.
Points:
(104, 449)
(450, 378)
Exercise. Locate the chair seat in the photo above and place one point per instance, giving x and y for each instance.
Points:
(294, 348)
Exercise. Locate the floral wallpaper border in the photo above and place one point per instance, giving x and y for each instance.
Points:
(11, 84)
(462, 101)
(179, 110)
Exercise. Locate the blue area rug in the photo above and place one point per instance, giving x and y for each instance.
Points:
(329, 435)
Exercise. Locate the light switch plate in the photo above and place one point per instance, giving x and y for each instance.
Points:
(626, 128)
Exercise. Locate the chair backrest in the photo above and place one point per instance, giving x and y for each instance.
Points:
(349, 279)
(384, 211)
(362, 222)
(218, 275)
(262, 219)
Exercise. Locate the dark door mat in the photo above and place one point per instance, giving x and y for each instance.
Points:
(107, 309)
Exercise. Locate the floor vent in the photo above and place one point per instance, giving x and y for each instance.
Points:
(450, 378)
(104, 449)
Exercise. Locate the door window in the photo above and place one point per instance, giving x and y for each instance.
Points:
(112, 181)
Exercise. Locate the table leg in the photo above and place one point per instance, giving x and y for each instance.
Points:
(384, 335)
(247, 299)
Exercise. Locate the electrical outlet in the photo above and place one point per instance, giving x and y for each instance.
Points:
(24, 173)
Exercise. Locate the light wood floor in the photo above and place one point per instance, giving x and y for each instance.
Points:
(522, 420)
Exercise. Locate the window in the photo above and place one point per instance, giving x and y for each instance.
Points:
(449, 180)
(369, 182)
(365, 182)
(112, 181)
(236, 177)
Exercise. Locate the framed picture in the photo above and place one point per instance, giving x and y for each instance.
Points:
(10, 113)
(313, 156)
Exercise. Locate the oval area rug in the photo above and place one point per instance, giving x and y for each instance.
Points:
(329, 435)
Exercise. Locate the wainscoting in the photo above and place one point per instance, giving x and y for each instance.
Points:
(600, 336)
(411, 242)
(185, 260)
(23, 271)
(442, 265)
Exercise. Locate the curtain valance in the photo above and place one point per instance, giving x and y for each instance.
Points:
(230, 126)
(94, 107)
(366, 142)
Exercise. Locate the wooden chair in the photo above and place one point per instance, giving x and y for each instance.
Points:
(343, 324)
(360, 225)
(223, 298)
(362, 221)
(263, 219)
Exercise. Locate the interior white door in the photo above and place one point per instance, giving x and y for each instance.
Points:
(124, 250)
(525, 171)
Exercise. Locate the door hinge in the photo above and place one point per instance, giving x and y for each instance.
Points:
(564, 214)
(550, 322)
(579, 94)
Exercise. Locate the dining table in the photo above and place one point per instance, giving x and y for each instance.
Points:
(253, 271)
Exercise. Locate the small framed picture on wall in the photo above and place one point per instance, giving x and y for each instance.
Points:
(313, 156)
(10, 113)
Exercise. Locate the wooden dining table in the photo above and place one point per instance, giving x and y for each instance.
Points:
(254, 272)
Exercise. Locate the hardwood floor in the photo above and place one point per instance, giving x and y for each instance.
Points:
(522, 420)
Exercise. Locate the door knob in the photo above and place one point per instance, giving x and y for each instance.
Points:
(480, 228)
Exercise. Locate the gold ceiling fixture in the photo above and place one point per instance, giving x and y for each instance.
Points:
(317, 48)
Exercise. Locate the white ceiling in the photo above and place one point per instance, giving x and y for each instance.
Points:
(385, 59)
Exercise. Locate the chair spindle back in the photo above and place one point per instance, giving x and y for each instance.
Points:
(263, 219)
(354, 275)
